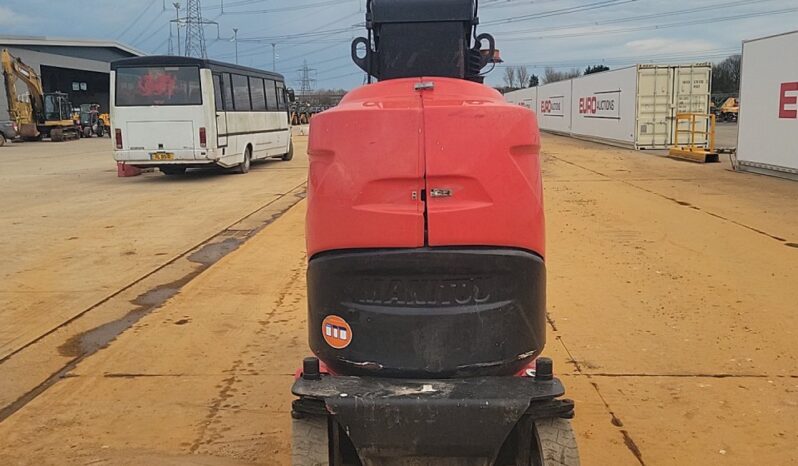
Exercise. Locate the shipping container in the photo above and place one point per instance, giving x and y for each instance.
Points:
(604, 106)
(554, 107)
(633, 107)
(768, 119)
(525, 97)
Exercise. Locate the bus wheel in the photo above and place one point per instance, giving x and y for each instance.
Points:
(290, 154)
(243, 167)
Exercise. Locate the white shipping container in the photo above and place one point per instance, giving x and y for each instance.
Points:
(554, 107)
(603, 106)
(769, 106)
(525, 97)
(634, 107)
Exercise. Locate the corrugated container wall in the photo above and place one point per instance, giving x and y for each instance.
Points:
(634, 107)
(769, 106)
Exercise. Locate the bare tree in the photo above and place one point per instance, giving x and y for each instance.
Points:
(726, 76)
(523, 76)
(551, 75)
(509, 76)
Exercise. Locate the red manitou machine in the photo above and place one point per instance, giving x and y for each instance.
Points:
(426, 275)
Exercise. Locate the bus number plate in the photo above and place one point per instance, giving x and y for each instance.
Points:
(162, 156)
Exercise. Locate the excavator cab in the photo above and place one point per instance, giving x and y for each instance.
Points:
(57, 107)
(410, 38)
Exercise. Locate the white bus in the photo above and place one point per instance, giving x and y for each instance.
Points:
(176, 113)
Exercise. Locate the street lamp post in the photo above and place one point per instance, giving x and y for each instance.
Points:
(235, 39)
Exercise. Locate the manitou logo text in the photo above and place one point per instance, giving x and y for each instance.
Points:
(417, 292)
(601, 105)
(788, 101)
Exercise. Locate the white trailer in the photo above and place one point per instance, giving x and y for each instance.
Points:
(768, 118)
(632, 107)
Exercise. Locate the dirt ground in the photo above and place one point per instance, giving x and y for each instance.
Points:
(672, 299)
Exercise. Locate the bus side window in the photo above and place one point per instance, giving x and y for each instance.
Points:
(217, 92)
(227, 91)
(271, 94)
(256, 91)
(241, 96)
(281, 97)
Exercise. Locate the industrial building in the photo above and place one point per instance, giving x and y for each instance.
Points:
(81, 68)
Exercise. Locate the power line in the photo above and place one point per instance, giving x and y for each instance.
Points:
(287, 8)
(331, 78)
(653, 27)
(713, 6)
(136, 20)
(697, 55)
(561, 11)
(147, 28)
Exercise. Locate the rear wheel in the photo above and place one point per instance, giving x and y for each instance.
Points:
(243, 167)
(554, 443)
(290, 154)
(2, 140)
(310, 441)
(173, 171)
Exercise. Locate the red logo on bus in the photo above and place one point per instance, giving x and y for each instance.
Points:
(786, 100)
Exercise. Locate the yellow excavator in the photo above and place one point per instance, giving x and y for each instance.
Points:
(728, 110)
(46, 114)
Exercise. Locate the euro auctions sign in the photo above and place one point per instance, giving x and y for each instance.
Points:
(601, 105)
(788, 101)
(553, 106)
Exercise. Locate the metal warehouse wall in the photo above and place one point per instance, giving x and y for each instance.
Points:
(75, 59)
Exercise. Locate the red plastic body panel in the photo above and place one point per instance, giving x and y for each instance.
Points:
(486, 153)
(365, 165)
(371, 157)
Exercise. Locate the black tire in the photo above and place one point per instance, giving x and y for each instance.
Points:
(173, 171)
(56, 135)
(310, 441)
(243, 167)
(2, 140)
(554, 443)
(290, 155)
(100, 129)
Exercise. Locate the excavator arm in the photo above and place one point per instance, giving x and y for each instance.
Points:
(14, 69)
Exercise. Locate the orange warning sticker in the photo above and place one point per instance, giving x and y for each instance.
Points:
(337, 333)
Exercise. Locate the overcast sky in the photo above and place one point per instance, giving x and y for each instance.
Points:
(536, 33)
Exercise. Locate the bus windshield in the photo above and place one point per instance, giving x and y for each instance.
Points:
(158, 85)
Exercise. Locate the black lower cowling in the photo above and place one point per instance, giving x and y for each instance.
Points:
(429, 312)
